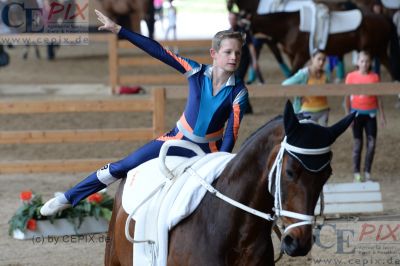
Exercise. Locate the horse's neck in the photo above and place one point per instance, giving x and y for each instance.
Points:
(246, 176)
(245, 179)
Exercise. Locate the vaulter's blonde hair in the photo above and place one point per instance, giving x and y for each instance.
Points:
(227, 34)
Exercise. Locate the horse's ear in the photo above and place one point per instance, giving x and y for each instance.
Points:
(289, 118)
(338, 128)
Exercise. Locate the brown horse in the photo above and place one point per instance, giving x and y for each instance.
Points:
(129, 13)
(374, 34)
(288, 158)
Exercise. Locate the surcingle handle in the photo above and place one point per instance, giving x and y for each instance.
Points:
(176, 143)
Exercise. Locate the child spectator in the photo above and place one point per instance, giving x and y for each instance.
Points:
(367, 107)
(316, 107)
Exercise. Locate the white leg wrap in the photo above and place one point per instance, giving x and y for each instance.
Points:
(105, 176)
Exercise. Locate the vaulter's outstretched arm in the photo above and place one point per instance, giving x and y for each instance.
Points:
(148, 45)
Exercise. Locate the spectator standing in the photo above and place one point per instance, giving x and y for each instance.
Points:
(367, 107)
(316, 107)
(171, 20)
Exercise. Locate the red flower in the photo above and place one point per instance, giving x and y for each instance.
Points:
(95, 198)
(25, 195)
(31, 224)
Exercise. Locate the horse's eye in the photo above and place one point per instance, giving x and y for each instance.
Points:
(290, 173)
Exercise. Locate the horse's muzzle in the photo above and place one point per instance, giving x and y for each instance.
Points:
(292, 247)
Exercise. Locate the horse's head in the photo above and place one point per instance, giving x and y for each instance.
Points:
(301, 168)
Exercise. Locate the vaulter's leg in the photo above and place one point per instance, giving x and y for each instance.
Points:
(108, 175)
(100, 179)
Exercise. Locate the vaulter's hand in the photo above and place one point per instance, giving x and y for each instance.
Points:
(108, 23)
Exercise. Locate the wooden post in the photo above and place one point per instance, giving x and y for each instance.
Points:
(158, 95)
(113, 62)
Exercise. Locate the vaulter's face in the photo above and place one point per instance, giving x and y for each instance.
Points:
(228, 55)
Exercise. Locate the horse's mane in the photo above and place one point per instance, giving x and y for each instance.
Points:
(249, 138)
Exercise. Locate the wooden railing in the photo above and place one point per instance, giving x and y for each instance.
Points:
(154, 104)
(277, 90)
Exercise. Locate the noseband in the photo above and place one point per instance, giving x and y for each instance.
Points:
(277, 169)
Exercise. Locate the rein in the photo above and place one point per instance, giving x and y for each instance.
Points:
(235, 203)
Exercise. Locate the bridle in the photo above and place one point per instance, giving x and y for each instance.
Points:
(276, 169)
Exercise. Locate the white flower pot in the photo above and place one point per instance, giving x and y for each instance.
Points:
(62, 227)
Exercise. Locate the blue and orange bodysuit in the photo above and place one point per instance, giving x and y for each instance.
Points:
(203, 121)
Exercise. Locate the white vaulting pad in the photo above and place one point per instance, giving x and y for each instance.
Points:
(173, 201)
(339, 21)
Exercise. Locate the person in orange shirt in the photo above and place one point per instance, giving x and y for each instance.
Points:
(367, 108)
(315, 107)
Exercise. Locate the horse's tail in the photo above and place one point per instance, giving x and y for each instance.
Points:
(394, 52)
